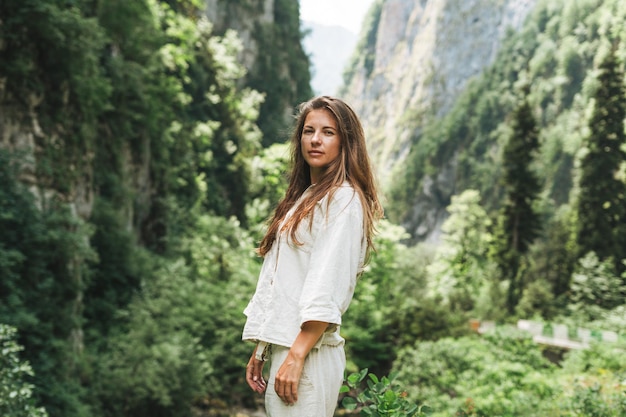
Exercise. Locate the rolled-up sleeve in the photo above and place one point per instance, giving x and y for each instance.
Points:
(336, 259)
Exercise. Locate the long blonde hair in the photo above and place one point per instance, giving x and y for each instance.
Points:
(352, 165)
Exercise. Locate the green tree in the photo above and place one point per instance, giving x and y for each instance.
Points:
(557, 263)
(518, 222)
(177, 118)
(182, 343)
(458, 269)
(602, 197)
(43, 254)
(268, 185)
(595, 287)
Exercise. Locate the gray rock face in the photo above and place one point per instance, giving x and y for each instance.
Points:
(426, 52)
(243, 18)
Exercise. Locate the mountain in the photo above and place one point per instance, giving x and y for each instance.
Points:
(415, 59)
(121, 127)
(435, 81)
(329, 49)
(272, 53)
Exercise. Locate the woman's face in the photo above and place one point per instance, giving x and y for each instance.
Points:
(320, 141)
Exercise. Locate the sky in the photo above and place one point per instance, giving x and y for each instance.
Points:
(346, 13)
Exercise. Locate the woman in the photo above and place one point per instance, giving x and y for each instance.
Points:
(315, 247)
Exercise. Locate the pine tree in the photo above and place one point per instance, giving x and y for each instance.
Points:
(518, 223)
(602, 199)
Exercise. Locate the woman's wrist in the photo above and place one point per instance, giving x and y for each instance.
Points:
(310, 333)
(299, 352)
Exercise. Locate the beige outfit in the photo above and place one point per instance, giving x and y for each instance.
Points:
(318, 390)
(311, 282)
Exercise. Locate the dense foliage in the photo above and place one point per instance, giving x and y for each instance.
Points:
(504, 373)
(43, 251)
(568, 59)
(569, 55)
(133, 195)
(143, 174)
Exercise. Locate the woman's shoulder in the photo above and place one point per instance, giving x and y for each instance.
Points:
(343, 197)
(345, 192)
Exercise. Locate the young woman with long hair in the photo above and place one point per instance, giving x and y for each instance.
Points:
(317, 243)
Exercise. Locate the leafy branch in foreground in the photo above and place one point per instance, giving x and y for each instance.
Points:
(16, 394)
(381, 398)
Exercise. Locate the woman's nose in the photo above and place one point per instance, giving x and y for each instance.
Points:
(316, 139)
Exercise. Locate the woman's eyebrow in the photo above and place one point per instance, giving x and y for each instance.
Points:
(323, 127)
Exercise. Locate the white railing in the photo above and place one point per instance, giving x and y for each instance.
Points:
(555, 334)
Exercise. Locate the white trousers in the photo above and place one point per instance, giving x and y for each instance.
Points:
(319, 386)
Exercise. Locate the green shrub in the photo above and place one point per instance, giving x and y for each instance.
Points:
(503, 373)
(590, 402)
(381, 398)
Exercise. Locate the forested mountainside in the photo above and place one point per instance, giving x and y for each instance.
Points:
(272, 53)
(413, 62)
(127, 128)
(498, 131)
(436, 81)
(140, 155)
(414, 59)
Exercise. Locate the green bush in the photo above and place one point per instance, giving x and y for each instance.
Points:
(599, 393)
(387, 297)
(381, 398)
(504, 374)
(599, 357)
(590, 401)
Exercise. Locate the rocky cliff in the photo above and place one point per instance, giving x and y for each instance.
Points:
(420, 56)
(425, 52)
(242, 17)
(262, 26)
(272, 53)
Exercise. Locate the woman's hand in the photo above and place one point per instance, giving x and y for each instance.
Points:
(289, 373)
(254, 373)
(288, 378)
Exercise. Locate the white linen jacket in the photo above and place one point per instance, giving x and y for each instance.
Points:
(314, 281)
